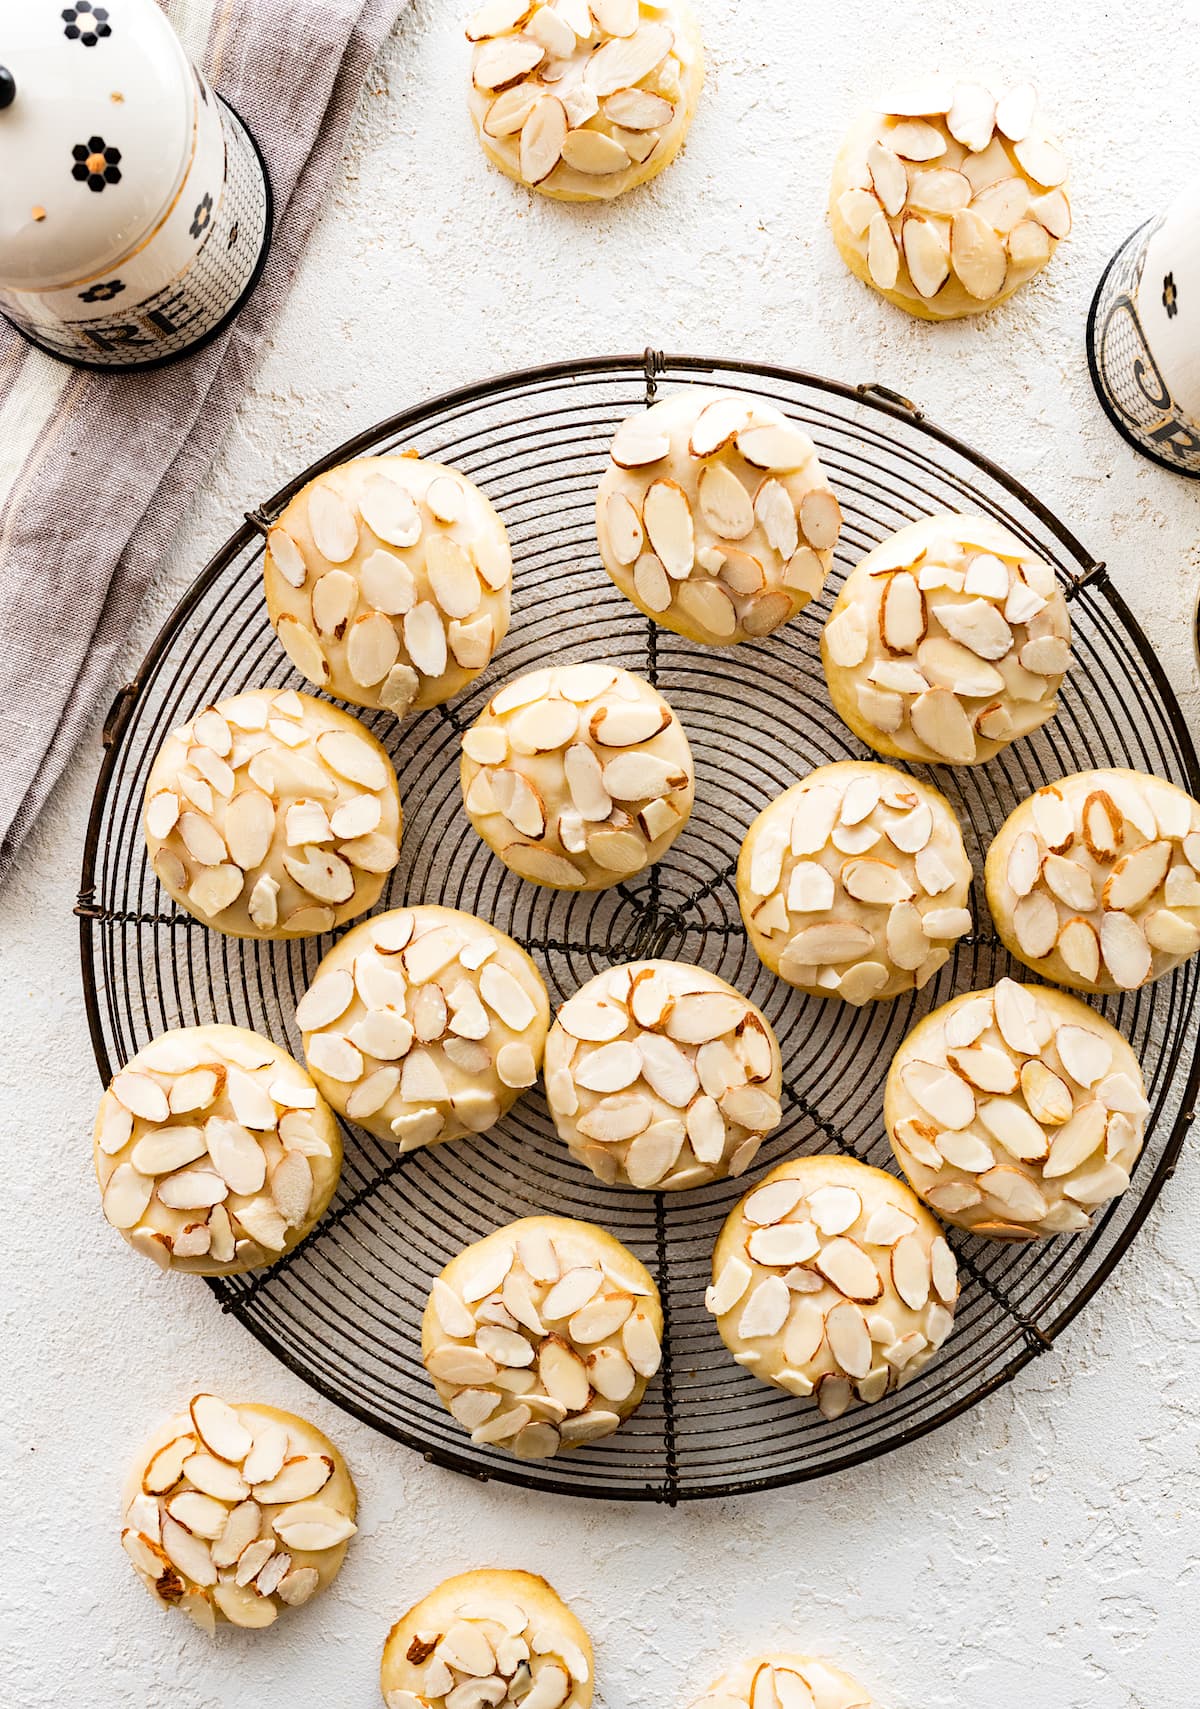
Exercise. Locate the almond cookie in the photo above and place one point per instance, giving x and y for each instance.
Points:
(214, 1151)
(237, 1513)
(714, 516)
(388, 582)
(1094, 882)
(659, 1074)
(951, 198)
(831, 1278)
(424, 1024)
(579, 101)
(1016, 1112)
(578, 777)
(947, 642)
(542, 1336)
(273, 815)
(785, 1681)
(854, 882)
(492, 1637)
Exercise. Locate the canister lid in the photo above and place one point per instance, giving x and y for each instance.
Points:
(95, 138)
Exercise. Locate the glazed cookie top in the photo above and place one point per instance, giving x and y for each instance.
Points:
(424, 1024)
(947, 642)
(272, 814)
(951, 197)
(785, 1681)
(854, 882)
(542, 1336)
(214, 1151)
(1016, 1112)
(578, 776)
(237, 1512)
(493, 1637)
(659, 1074)
(715, 517)
(1094, 881)
(832, 1278)
(583, 101)
(388, 582)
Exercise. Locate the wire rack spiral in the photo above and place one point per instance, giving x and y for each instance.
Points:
(343, 1311)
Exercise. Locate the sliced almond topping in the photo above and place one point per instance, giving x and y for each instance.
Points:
(1135, 878)
(594, 153)
(888, 177)
(1053, 213)
(766, 1309)
(1125, 950)
(623, 61)
(830, 943)
(972, 116)
(902, 614)
(985, 1067)
(883, 257)
(287, 557)
(1049, 1098)
(940, 1093)
(844, 1263)
(925, 254)
(219, 1428)
(333, 524)
(1020, 1196)
(1041, 160)
(977, 255)
(1035, 923)
(939, 721)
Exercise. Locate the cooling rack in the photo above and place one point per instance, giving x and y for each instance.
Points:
(343, 1311)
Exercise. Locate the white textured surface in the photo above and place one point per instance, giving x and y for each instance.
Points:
(1038, 1551)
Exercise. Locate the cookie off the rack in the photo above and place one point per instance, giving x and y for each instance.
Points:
(660, 1075)
(948, 641)
(388, 582)
(490, 1638)
(854, 882)
(1016, 1112)
(237, 1513)
(782, 1680)
(273, 815)
(542, 1336)
(951, 198)
(578, 776)
(715, 517)
(214, 1151)
(584, 101)
(1094, 881)
(424, 1024)
(831, 1279)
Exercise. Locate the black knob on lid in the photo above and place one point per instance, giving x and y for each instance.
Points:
(8, 87)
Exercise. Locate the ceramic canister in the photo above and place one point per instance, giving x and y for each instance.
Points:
(134, 206)
(1144, 337)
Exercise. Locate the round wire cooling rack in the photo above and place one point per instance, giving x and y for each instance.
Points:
(343, 1311)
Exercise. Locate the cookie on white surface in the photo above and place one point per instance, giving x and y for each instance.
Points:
(854, 882)
(577, 776)
(1094, 881)
(660, 1075)
(237, 1513)
(715, 516)
(951, 198)
(388, 582)
(1016, 1112)
(947, 642)
(493, 1637)
(830, 1278)
(583, 102)
(214, 1151)
(424, 1024)
(273, 815)
(542, 1336)
(781, 1680)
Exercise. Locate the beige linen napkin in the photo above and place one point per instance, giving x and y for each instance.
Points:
(95, 469)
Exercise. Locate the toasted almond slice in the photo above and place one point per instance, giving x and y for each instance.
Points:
(1035, 925)
(504, 60)
(636, 444)
(593, 153)
(985, 1067)
(888, 177)
(766, 1309)
(883, 257)
(1021, 1196)
(1052, 212)
(623, 61)
(1070, 882)
(844, 1263)
(902, 615)
(287, 557)
(977, 255)
(638, 109)
(219, 1428)
(312, 1525)
(668, 520)
(972, 116)
(776, 446)
(1015, 110)
(1125, 951)
(912, 1271)
(925, 255)
(830, 943)
(916, 140)
(1135, 878)
(940, 1093)
(1023, 867)
(939, 721)
(1041, 159)
(977, 625)
(1003, 205)
(333, 523)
